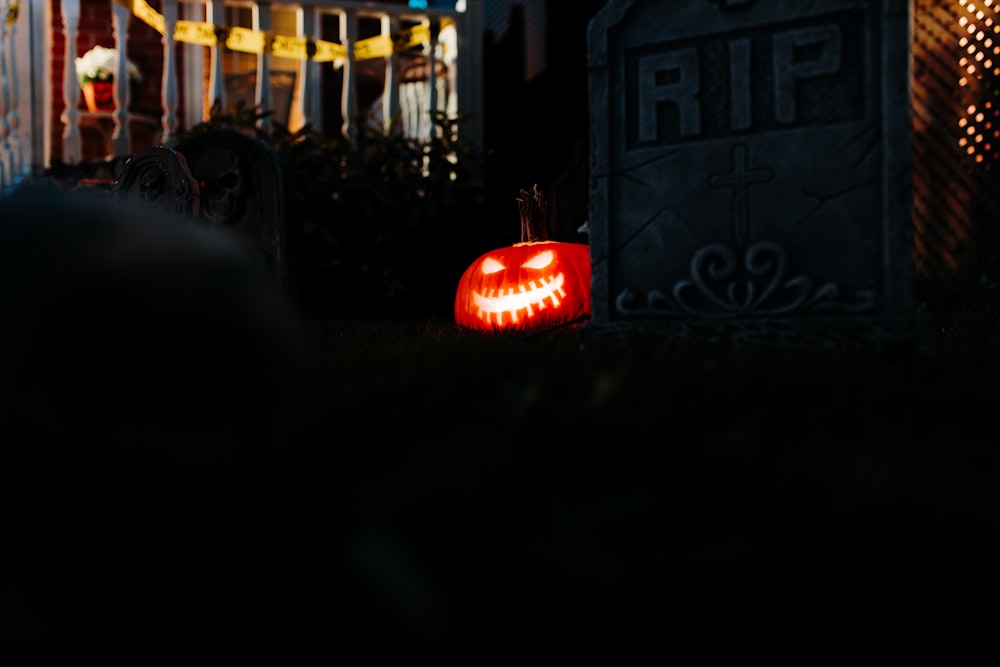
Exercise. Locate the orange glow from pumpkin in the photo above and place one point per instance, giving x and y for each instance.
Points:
(493, 303)
(522, 288)
(523, 297)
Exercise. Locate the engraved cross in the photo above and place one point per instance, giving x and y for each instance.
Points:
(740, 179)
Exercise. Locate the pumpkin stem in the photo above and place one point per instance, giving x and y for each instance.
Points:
(533, 209)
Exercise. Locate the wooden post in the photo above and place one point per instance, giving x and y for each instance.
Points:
(216, 81)
(169, 84)
(70, 117)
(390, 92)
(262, 94)
(6, 159)
(348, 100)
(432, 92)
(120, 17)
(307, 82)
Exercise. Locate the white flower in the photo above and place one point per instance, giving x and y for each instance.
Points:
(100, 64)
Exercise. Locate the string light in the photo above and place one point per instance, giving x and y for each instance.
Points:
(979, 50)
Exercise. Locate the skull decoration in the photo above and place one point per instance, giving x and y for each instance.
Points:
(532, 285)
(222, 198)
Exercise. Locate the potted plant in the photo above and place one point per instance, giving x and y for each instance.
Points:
(96, 72)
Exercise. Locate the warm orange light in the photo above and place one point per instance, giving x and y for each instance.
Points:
(979, 50)
(527, 286)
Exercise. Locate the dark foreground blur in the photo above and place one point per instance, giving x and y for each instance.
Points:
(190, 470)
(148, 386)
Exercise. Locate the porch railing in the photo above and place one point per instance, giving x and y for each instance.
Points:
(453, 32)
(14, 157)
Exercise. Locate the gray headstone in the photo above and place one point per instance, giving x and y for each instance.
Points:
(750, 166)
(243, 185)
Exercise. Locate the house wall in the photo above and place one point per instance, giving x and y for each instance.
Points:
(537, 118)
(530, 18)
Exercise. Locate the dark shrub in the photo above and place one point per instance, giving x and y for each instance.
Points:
(387, 223)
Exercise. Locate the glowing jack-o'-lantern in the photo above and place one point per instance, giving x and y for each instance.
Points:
(532, 285)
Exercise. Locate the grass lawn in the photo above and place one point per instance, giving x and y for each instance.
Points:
(596, 489)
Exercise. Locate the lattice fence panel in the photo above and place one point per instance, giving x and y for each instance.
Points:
(956, 123)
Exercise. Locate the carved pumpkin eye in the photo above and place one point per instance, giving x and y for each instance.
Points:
(539, 261)
(491, 265)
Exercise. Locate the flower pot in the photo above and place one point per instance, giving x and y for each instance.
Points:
(99, 95)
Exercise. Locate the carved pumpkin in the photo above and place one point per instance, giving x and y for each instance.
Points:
(532, 285)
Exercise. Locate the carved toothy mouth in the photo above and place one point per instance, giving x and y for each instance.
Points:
(523, 297)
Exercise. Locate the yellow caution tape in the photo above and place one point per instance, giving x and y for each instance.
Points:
(415, 36)
(246, 40)
(146, 14)
(329, 51)
(378, 46)
(11, 13)
(192, 32)
(289, 47)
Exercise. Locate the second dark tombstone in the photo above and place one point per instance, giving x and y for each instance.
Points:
(750, 167)
(244, 188)
(158, 177)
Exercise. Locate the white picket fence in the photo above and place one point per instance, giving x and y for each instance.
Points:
(27, 96)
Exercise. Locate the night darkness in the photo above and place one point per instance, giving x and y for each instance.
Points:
(536, 131)
(190, 474)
